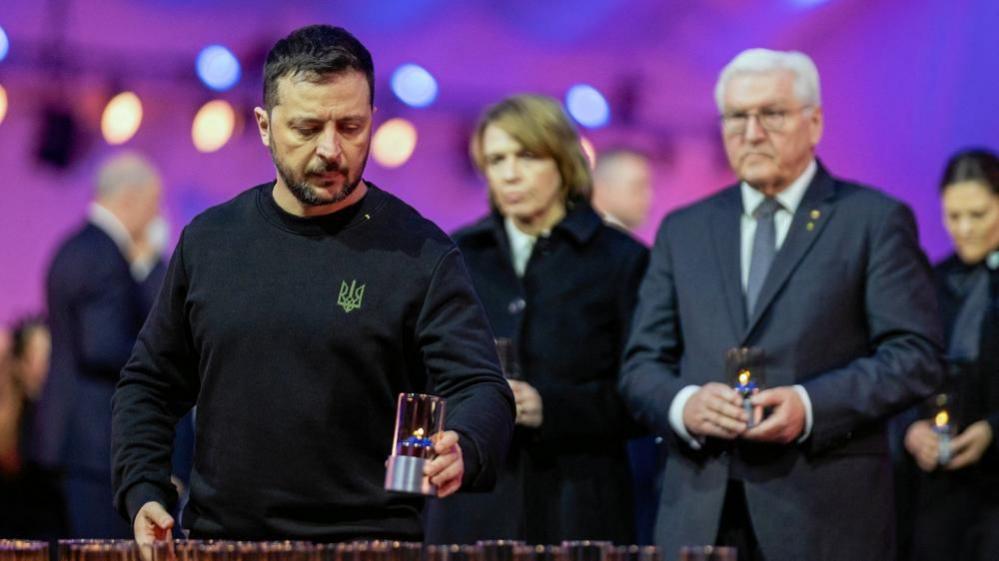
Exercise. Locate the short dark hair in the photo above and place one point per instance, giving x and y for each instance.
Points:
(976, 164)
(316, 52)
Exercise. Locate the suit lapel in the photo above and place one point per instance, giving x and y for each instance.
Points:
(725, 229)
(809, 221)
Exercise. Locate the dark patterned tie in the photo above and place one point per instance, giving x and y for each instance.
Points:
(764, 249)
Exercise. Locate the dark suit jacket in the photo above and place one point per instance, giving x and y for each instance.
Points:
(569, 315)
(96, 309)
(847, 310)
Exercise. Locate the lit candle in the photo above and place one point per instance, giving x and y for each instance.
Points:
(941, 424)
(745, 389)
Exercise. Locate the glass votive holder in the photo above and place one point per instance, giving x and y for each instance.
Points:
(419, 417)
(634, 553)
(498, 550)
(708, 553)
(586, 550)
(452, 552)
(539, 553)
(23, 550)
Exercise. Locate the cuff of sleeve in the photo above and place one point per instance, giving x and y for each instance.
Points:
(676, 416)
(471, 459)
(142, 493)
(809, 420)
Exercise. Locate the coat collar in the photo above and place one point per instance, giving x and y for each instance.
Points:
(581, 224)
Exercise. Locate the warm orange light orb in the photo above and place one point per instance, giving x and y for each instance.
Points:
(121, 118)
(213, 126)
(394, 143)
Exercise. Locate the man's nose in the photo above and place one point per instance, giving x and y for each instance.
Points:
(754, 130)
(328, 144)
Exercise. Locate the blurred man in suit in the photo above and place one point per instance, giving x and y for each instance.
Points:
(99, 291)
(826, 277)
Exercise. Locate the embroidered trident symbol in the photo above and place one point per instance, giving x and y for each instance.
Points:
(350, 296)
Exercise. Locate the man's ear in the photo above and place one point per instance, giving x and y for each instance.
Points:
(263, 125)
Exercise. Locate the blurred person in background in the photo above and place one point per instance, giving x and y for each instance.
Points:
(99, 289)
(561, 285)
(950, 511)
(30, 495)
(622, 195)
(622, 188)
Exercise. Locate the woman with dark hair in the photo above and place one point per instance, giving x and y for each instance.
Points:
(32, 502)
(955, 487)
(561, 286)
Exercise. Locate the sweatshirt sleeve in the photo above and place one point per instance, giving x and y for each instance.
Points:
(158, 384)
(457, 347)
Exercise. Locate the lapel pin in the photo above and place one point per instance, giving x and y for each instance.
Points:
(815, 214)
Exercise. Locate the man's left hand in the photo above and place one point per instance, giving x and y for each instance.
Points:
(446, 470)
(787, 417)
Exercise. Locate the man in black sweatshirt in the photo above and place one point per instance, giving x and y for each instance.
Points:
(293, 316)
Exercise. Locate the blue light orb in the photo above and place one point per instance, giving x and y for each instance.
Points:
(4, 44)
(587, 106)
(414, 86)
(218, 68)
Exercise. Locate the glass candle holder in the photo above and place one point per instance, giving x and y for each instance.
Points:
(708, 553)
(419, 418)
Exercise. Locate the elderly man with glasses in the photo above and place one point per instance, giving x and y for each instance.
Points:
(824, 283)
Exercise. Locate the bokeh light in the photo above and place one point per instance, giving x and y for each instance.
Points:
(4, 44)
(121, 118)
(213, 125)
(587, 106)
(3, 103)
(218, 68)
(394, 142)
(414, 85)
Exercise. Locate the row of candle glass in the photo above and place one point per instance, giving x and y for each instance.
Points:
(195, 550)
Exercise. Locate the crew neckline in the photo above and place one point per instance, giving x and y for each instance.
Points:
(343, 219)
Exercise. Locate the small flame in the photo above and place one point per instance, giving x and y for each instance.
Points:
(418, 433)
(744, 376)
(941, 419)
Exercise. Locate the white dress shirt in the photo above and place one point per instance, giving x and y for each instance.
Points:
(108, 223)
(521, 246)
(789, 200)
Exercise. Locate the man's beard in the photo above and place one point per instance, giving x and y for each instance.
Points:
(311, 196)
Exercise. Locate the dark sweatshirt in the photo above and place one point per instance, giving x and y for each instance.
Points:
(294, 336)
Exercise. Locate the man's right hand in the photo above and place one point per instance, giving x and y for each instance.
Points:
(924, 444)
(152, 523)
(715, 410)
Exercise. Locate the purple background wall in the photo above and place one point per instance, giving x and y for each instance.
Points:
(904, 85)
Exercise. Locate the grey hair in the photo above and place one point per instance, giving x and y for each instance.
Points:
(760, 61)
(124, 170)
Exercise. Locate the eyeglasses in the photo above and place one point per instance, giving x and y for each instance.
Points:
(772, 120)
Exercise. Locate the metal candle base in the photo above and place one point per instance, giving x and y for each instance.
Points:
(943, 455)
(405, 475)
(747, 406)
